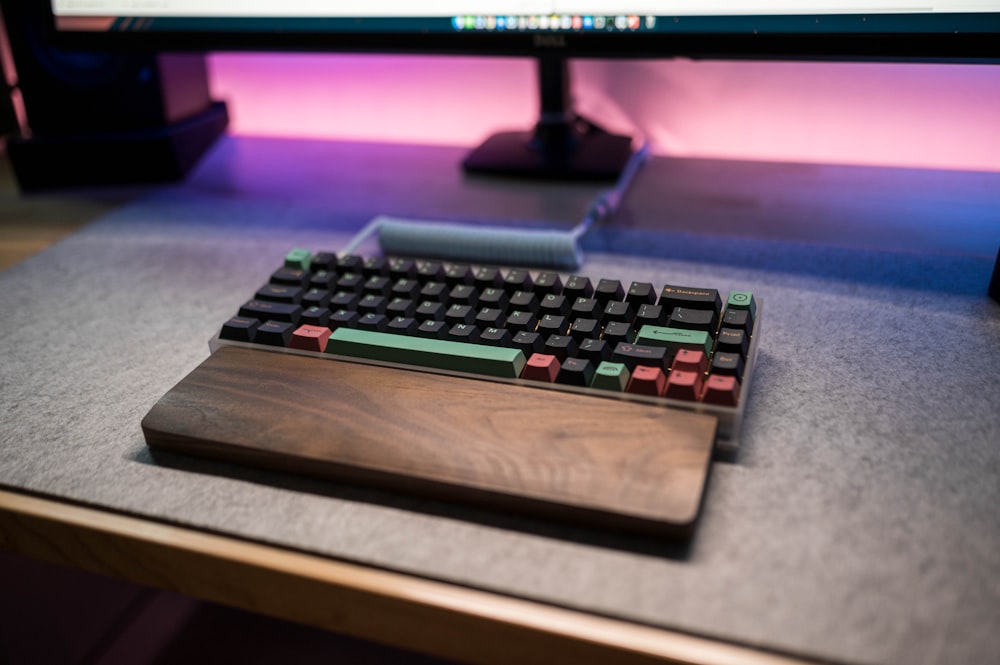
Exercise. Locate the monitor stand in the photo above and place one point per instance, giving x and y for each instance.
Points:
(562, 146)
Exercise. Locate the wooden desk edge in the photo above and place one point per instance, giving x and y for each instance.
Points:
(421, 615)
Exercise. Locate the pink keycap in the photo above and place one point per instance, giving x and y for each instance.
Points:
(684, 385)
(310, 338)
(647, 381)
(541, 367)
(721, 390)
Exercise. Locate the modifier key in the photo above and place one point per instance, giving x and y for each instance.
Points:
(633, 355)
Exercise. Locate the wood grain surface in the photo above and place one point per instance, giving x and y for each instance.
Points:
(560, 455)
(462, 624)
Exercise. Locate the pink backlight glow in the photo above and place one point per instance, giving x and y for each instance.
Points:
(916, 115)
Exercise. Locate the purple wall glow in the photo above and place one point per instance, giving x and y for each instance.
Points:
(933, 116)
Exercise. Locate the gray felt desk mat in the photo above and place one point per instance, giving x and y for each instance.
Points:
(859, 521)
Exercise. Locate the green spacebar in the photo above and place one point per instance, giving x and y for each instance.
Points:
(436, 353)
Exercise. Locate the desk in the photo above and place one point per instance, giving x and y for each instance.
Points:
(857, 524)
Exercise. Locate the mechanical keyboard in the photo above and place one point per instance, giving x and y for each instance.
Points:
(587, 400)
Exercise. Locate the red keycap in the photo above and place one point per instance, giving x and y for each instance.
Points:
(684, 385)
(541, 367)
(690, 360)
(310, 338)
(722, 390)
(647, 381)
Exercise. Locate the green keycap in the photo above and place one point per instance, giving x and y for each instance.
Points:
(610, 376)
(298, 258)
(675, 338)
(426, 352)
(743, 300)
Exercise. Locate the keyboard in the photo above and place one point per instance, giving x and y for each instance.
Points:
(576, 398)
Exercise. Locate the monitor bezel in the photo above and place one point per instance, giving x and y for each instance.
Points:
(858, 38)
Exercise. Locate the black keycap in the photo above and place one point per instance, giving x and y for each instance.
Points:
(496, 337)
(324, 261)
(290, 276)
(350, 281)
(350, 263)
(400, 268)
(461, 332)
(434, 291)
(517, 280)
(522, 322)
(401, 307)
(430, 310)
(586, 308)
(690, 297)
(641, 293)
(608, 290)
(649, 315)
(344, 300)
(463, 294)
(375, 265)
(686, 318)
(460, 314)
(553, 324)
(487, 277)
(637, 354)
(528, 342)
(560, 346)
(493, 297)
(433, 329)
(524, 301)
(316, 298)
(276, 311)
(490, 317)
(343, 318)
(372, 321)
(239, 329)
(547, 282)
(371, 304)
(618, 310)
(729, 364)
(737, 318)
(380, 285)
(594, 350)
(402, 325)
(315, 316)
(279, 293)
(576, 372)
(553, 304)
(732, 340)
(274, 333)
(618, 331)
(458, 273)
(577, 287)
(323, 279)
(405, 287)
(585, 328)
(430, 271)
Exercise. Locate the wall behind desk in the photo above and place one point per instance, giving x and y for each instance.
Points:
(918, 115)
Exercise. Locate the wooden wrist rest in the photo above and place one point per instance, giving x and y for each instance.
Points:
(563, 456)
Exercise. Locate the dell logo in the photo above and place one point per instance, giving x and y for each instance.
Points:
(550, 41)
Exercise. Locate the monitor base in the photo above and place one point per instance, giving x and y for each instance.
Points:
(158, 154)
(589, 153)
(562, 146)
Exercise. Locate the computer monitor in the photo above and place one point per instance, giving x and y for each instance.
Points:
(562, 144)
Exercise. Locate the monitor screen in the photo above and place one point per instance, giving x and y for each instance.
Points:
(848, 29)
(562, 144)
